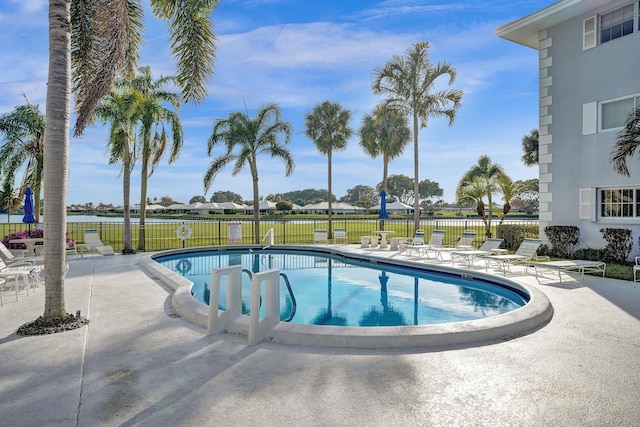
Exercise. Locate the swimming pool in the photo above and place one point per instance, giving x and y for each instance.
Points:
(332, 290)
(462, 331)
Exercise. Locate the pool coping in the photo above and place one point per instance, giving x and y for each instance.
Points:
(527, 319)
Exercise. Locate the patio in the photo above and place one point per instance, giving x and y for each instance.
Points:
(136, 363)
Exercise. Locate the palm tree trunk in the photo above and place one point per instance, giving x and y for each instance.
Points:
(490, 216)
(256, 208)
(143, 201)
(126, 195)
(329, 204)
(385, 171)
(56, 154)
(416, 201)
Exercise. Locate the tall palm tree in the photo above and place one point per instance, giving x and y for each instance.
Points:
(530, 148)
(153, 135)
(250, 137)
(385, 132)
(104, 37)
(409, 83)
(122, 110)
(489, 174)
(328, 127)
(627, 143)
(23, 131)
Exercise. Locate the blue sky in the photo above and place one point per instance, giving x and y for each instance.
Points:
(297, 54)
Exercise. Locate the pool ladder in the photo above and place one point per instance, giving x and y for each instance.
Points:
(294, 305)
(259, 329)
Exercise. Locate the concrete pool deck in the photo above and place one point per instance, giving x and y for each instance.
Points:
(137, 363)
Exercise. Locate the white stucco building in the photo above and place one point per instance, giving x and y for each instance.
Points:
(589, 59)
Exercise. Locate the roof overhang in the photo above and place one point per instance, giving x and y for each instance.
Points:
(525, 30)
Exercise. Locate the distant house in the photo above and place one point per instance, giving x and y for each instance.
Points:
(265, 206)
(589, 57)
(338, 208)
(395, 208)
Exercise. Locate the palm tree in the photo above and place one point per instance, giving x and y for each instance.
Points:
(627, 143)
(488, 173)
(104, 38)
(384, 132)
(251, 137)
(409, 83)
(122, 109)
(9, 196)
(474, 193)
(530, 148)
(23, 130)
(328, 127)
(509, 190)
(153, 136)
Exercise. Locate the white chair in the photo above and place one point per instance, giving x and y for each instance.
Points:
(9, 258)
(636, 268)
(435, 241)
(320, 236)
(92, 242)
(465, 242)
(25, 271)
(526, 253)
(340, 234)
(413, 244)
(489, 247)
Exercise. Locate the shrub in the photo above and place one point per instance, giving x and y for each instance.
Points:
(543, 250)
(514, 234)
(563, 239)
(619, 244)
(590, 254)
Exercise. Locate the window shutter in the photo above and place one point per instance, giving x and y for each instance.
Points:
(587, 203)
(589, 33)
(589, 118)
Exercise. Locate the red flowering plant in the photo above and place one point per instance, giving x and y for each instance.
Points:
(14, 235)
(32, 234)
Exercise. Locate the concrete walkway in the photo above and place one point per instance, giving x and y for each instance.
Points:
(136, 363)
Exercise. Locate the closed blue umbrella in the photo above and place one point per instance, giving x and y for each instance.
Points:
(383, 206)
(28, 217)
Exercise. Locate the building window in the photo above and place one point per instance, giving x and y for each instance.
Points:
(616, 23)
(620, 202)
(614, 114)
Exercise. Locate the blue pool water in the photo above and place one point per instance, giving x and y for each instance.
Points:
(332, 290)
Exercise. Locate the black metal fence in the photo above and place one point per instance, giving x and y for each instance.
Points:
(164, 235)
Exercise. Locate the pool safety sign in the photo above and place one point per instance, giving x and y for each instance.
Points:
(235, 232)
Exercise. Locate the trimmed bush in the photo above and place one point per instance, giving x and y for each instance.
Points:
(514, 234)
(619, 244)
(563, 239)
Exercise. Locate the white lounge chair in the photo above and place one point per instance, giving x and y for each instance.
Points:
(92, 242)
(340, 234)
(25, 271)
(572, 266)
(489, 247)
(435, 241)
(320, 236)
(465, 242)
(9, 258)
(526, 254)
